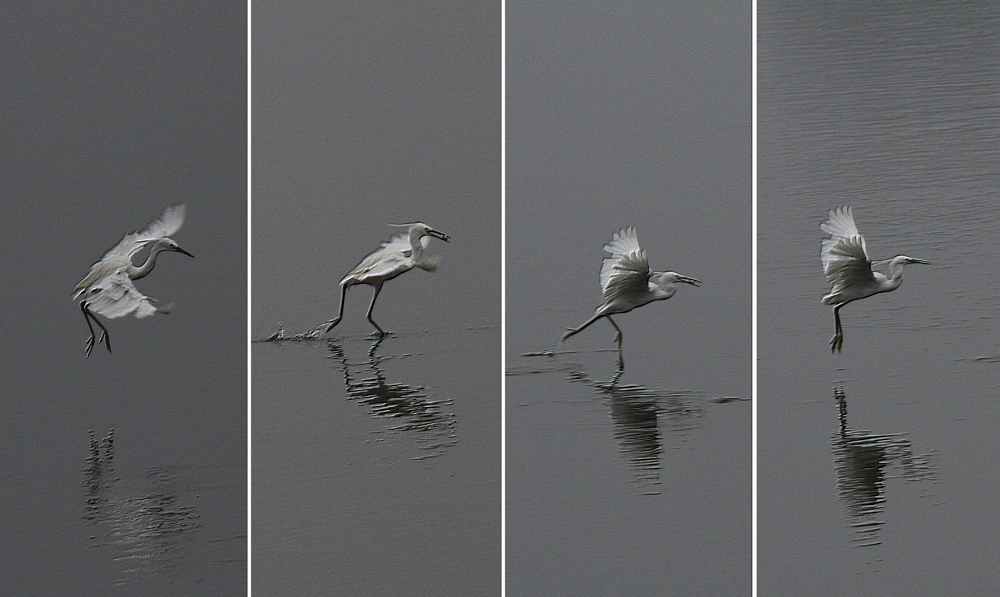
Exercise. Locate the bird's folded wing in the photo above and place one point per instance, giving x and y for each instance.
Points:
(167, 223)
(115, 296)
(400, 242)
(845, 261)
(379, 264)
(626, 273)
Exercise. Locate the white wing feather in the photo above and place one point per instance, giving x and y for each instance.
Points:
(844, 255)
(384, 259)
(627, 268)
(167, 224)
(116, 296)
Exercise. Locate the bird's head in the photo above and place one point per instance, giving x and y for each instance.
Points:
(672, 277)
(904, 260)
(685, 279)
(419, 229)
(428, 231)
(168, 244)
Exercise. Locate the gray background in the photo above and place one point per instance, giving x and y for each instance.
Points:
(625, 114)
(376, 469)
(891, 108)
(110, 111)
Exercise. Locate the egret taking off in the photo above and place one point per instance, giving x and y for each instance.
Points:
(401, 254)
(849, 269)
(108, 288)
(627, 282)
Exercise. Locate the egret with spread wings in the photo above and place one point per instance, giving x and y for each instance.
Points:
(849, 269)
(108, 289)
(627, 282)
(401, 254)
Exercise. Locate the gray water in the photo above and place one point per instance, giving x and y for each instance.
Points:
(876, 465)
(376, 466)
(633, 479)
(124, 473)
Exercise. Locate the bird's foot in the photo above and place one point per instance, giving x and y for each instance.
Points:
(836, 343)
(107, 340)
(333, 322)
(569, 332)
(383, 333)
(89, 345)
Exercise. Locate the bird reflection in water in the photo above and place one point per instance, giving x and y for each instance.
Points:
(636, 413)
(148, 524)
(430, 422)
(861, 461)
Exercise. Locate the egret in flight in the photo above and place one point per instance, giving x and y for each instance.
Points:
(108, 289)
(627, 282)
(849, 269)
(401, 254)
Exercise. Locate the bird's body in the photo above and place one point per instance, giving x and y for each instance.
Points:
(107, 289)
(395, 257)
(627, 283)
(848, 268)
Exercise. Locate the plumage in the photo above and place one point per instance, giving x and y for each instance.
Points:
(848, 267)
(108, 287)
(396, 256)
(627, 283)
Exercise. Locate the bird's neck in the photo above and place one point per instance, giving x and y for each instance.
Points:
(134, 273)
(895, 274)
(416, 248)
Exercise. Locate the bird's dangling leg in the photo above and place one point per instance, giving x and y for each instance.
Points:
(378, 288)
(838, 338)
(340, 315)
(618, 333)
(572, 331)
(105, 337)
(90, 341)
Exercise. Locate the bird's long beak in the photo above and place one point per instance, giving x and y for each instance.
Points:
(180, 250)
(912, 260)
(688, 280)
(437, 234)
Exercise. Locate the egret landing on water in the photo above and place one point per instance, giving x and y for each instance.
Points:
(627, 282)
(401, 254)
(849, 269)
(108, 289)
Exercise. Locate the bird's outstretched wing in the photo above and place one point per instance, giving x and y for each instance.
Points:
(627, 268)
(839, 225)
(116, 295)
(844, 256)
(167, 224)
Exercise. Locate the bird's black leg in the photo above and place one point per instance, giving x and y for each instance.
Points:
(340, 315)
(838, 338)
(378, 288)
(90, 340)
(105, 337)
(572, 331)
(618, 335)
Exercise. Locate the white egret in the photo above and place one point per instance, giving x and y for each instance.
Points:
(627, 282)
(849, 269)
(401, 254)
(108, 289)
